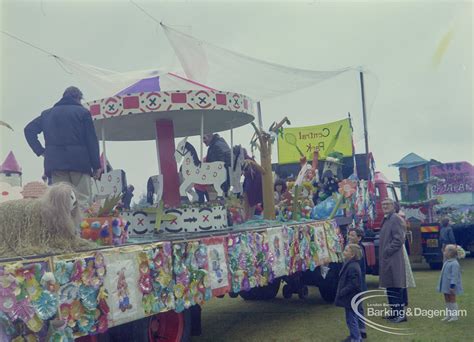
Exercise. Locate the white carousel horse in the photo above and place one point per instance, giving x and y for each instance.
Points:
(236, 170)
(195, 172)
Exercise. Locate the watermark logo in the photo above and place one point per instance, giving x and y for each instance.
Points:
(382, 309)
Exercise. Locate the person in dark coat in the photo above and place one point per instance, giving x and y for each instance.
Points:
(350, 285)
(252, 187)
(446, 235)
(71, 151)
(218, 150)
(127, 196)
(392, 274)
(355, 236)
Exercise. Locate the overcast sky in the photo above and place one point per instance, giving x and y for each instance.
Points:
(414, 104)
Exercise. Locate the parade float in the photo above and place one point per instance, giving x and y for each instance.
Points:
(148, 268)
(181, 261)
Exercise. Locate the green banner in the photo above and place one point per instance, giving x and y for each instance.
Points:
(295, 142)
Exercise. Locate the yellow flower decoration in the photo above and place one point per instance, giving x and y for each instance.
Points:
(164, 279)
(76, 310)
(179, 290)
(33, 288)
(7, 280)
(35, 324)
(103, 294)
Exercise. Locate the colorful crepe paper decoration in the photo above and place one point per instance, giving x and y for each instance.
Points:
(190, 266)
(82, 298)
(23, 299)
(162, 277)
(248, 262)
(156, 278)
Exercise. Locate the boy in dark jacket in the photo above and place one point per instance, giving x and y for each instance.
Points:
(355, 236)
(350, 285)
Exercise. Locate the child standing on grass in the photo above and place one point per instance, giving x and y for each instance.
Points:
(450, 283)
(350, 282)
(355, 236)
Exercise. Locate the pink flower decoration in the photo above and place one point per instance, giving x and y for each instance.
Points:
(7, 302)
(347, 188)
(22, 310)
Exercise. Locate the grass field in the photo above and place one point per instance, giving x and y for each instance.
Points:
(313, 319)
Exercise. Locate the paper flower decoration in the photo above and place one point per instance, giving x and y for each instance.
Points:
(7, 302)
(86, 322)
(102, 324)
(6, 323)
(61, 333)
(62, 272)
(35, 324)
(179, 290)
(8, 284)
(46, 305)
(34, 289)
(347, 188)
(77, 310)
(22, 310)
(88, 296)
(68, 293)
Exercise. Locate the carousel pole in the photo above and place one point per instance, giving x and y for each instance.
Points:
(202, 135)
(165, 150)
(102, 132)
(231, 149)
(157, 153)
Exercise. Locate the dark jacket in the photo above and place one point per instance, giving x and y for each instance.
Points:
(70, 139)
(349, 283)
(363, 267)
(218, 150)
(446, 236)
(391, 258)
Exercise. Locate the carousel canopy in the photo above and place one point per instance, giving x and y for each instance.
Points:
(209, 86)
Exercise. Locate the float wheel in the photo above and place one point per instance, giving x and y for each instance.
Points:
(303, 292)
(166, 326)
(287, 291)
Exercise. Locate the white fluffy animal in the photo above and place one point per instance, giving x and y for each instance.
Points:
(194, 171)
(45, 225)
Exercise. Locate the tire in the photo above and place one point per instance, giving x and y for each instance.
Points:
(328, 286)
(131, 331)
(168, 324)
(271, 290)
(328, 292)
(249, 295)
(287, 291)
(303, 292)
(436, 265)
(262, 293)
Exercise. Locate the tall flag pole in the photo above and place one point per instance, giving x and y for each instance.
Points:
(366, 137)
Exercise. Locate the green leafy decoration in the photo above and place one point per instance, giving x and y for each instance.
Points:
(108, 207)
